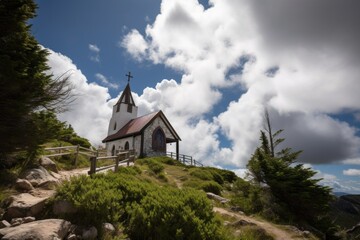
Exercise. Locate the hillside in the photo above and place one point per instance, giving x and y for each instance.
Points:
(346, 210)
(159, 198)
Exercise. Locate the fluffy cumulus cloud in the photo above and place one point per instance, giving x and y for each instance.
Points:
(90, 112)
(298, 59)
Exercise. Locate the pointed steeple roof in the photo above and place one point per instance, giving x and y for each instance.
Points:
(126, 96)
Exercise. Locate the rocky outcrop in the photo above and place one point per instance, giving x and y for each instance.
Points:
(23, 185)
(43, 229)
(24, 205)
(48, 164)
(40, 177)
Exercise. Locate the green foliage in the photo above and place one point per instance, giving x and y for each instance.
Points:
(173, 214)
(253, 233)
(209, 173)
(211, 186)
(25, 87)
(291, 186)
(146, 210)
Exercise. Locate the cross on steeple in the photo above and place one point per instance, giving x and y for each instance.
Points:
(129, 76)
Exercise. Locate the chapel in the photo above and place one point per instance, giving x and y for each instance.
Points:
(148, 135)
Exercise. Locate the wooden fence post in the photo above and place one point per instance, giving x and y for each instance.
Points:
(191, 159)
(92, 165)
(183, 159)
(128, 157)
(117, 159)
(76, 155)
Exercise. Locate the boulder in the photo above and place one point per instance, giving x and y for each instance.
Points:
(217, 197)
(43, 229)
(108, 228)
(48, 164)
(24, 205)
(40, 177)
(23, 184)
(62, 207)
(4, 224)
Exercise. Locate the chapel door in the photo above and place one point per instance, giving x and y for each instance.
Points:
(159, 140)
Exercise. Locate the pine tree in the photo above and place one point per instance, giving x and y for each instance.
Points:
(292, 185)
(25, 87)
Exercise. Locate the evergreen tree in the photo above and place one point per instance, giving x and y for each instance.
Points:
(292, 185)
(25, 87)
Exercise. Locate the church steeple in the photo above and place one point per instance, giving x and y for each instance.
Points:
(124, 110)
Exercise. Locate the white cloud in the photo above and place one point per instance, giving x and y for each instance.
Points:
(96, 50)
(89, 114)
(317, 74)
(105, 81)
(135, 44)
(352, 172)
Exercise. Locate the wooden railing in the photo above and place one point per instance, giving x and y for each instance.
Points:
(95, 156)
(68, 150)
(122, 157)
(185, 159)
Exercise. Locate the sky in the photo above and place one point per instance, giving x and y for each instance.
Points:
(213, 67)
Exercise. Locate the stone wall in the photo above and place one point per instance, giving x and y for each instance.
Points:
(148, 151)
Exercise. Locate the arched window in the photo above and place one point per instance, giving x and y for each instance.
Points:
(113, 151)
(127, 146)
(158, 140)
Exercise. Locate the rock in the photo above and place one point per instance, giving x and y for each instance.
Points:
(108, 228)
(28, 219)
(40, 177)
(43, 229)
(62, 207)
(23, 184)
(24, 205)
(72, 237)
(16, 222)
(90, 233)
(241, 223)
(4, 224)
(217, 197)
(48, 164)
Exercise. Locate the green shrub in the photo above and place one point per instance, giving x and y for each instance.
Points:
(155, 167)
(173, 214)
(133, 170)
(146, 210)
(211, 186)
(201, 174)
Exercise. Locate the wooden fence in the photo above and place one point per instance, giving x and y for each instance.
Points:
(185, 159)
(122, 157)
(94, 155)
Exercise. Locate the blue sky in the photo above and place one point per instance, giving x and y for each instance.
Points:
(206, 64)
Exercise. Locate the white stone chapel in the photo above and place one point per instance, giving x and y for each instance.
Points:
(147, 135)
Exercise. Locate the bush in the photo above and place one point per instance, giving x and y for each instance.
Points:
(146, 210)
(173, 214)
(211, 186)
(207, 186)
(155, 167)
(201, 174)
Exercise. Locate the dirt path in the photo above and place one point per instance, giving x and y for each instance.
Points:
(272, 229)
